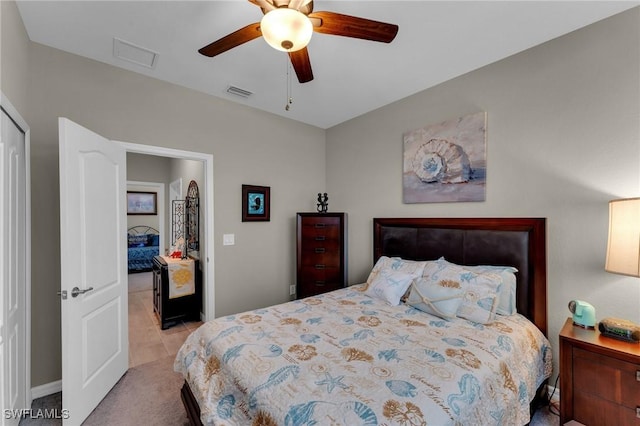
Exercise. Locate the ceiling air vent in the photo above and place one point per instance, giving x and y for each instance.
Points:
(135, 54)
(239, 92)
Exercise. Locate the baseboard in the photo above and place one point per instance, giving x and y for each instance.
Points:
(556, 394)
(46, 389)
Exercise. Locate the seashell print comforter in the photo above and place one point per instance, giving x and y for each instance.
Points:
(344, 358)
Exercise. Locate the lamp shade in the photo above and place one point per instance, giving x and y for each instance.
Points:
(286, 29)
(623, 248)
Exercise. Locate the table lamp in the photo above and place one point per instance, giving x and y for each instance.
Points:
(623, 257)
(623, 247)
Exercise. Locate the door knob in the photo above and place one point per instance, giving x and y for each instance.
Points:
(76, 291)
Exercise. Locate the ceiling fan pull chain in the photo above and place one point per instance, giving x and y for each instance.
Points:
(289, 97)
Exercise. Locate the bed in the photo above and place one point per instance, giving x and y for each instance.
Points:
(346, 357)
(143, 242)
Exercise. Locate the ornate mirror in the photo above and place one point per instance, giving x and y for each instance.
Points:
(192, 222)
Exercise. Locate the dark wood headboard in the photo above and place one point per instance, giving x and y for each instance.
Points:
(517, 242)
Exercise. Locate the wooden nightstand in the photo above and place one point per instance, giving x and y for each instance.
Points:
(599, 378)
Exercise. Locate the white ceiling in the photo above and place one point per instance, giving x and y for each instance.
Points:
(437, 40)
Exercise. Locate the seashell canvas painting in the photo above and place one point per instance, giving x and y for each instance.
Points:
(446, 162)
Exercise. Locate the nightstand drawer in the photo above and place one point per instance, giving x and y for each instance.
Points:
(606, 378)
(596, 412)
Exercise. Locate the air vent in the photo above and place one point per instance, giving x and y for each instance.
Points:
(135, 54)
(239, 92)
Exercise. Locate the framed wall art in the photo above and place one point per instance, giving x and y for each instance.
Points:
(446, 162)
(142, 203)
(255, 203)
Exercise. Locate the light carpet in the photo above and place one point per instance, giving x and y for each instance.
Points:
(147, 394)
(140, 281)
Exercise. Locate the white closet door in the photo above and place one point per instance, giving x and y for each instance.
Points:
(13, 261)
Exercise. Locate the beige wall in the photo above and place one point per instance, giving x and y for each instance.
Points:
(563, 140)
(14, 61)
(149, 169)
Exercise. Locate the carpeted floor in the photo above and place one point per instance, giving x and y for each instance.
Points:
(148, 394)
(140, 281)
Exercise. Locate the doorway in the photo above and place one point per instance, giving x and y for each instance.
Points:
(148, 342)
(206, 204)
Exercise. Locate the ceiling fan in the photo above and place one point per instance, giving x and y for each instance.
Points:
(287, 25)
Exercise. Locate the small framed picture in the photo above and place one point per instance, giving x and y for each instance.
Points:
(142, 202)
(255, 203)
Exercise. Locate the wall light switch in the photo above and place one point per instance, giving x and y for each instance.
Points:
(228, 239)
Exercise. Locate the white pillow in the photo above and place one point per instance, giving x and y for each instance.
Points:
(385, 263)
(480, 290)
(390, 286)
(440, 298)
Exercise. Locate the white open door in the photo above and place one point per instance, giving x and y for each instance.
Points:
(93, 268)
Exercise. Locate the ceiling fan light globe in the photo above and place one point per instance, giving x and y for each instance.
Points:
(286, 29)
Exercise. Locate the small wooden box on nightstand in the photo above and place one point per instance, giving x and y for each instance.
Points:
(599, 378)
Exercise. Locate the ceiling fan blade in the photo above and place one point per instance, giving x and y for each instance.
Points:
(264, 4)
(352, 26)
(232, 40)
(302, 65)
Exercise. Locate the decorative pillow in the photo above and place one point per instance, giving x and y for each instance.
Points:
(481, 299)
(154, 240)
(390, 286)
(137, 240)
(507, 299)
(507, 293)
(480, 290)
(440, 298)
(385, 263)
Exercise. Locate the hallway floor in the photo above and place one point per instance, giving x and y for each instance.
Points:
(147, 342)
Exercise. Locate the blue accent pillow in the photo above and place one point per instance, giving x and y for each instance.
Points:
(154, 240)
(138, 240)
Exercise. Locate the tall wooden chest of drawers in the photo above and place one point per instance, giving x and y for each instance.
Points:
(599, 378)
(321, 253)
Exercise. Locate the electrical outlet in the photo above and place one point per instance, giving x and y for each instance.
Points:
(292, 290)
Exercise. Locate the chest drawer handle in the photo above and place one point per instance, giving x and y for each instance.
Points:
(320, 266)
(638, 412)
(319, 250)
(320, 225)
(321, 238)
(320, 283)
